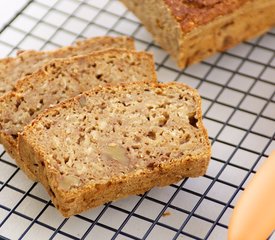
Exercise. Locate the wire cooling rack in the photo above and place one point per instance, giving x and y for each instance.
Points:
(238, 92)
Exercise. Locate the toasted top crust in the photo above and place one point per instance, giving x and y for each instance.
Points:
(193, 13)
(26, 62)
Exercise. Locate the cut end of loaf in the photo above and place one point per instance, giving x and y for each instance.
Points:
(130, 138)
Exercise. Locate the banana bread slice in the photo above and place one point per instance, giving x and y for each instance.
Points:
(62, 79)
(193, 30)
(26, 62)
(113, 141)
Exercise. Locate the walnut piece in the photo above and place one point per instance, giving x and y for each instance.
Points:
(115, 152)
(66, 182)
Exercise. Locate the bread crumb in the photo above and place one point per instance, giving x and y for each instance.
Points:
(166, 214)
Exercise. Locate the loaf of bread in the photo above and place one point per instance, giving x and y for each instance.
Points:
(114, 141)
(193, 30)
(64, 78)
(26, 62)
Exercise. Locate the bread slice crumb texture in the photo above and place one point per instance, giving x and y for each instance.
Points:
(65, 78)
(114, 131)
(27, 62)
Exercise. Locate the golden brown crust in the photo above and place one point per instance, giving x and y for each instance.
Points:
(11, 146)
(191, 14)
(9, 143)
(91, 195)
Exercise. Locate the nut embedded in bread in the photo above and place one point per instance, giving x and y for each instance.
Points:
(193, 30)
(114, 141)
(27, 62)
(64, 78)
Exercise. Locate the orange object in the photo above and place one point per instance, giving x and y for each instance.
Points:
(253, 217)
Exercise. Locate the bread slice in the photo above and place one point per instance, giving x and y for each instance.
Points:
(114, 141)
(193, 30)
(26, 62)
(62, 79)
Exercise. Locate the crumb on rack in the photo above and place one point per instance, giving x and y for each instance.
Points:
(166, 214)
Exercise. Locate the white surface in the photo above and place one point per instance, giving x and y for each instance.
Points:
(233, 96)
(8, 9)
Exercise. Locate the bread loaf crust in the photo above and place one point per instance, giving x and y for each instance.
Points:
(193, 30)
(191, 14)
(18, 108)
(78, 199)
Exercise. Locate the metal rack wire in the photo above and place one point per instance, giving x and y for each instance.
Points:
(238, 92)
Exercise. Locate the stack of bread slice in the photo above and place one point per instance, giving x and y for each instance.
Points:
(92, 124)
